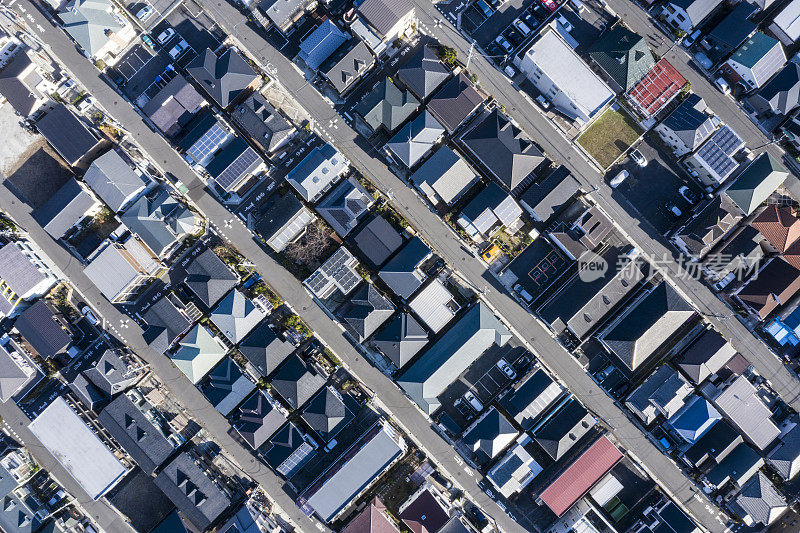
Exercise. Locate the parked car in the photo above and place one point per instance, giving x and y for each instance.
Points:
(617, 180)
(166, 35)
(478, 518)
(689, 195)
(90, 316)
(144, 13)
(178, 49)
(722, 85)
(487, 11)
(675, 210)
(510, 71)
(543, 103)
(689, 40)
(469, 396)
(521, 26)
(146, 39)
(637, 157)
(331, 445)
(503, 365)
(503, 42)
(550, 5)
(491, 253)
(561, 19)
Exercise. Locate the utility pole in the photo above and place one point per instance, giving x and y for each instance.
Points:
(469, 55)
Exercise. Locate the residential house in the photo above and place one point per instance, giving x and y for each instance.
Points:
(373, 519)
(715, 161)
(527, 400)
(205, 135)
(623, 56)
(327, 413)
(112, 372)
(401, 339)
(546, 198)
(348, 65)
(98, 27)
(490, 210)
(776, 283)
(380, 22)
(16, 372)
(317, 172)
(714, 446)
(258, 419)
(402, 274)
(434, 305)
(663, 393)
(165, 323)
(559, 73)
(68, 135)
(160, 223)
(263, 123)
(236, 315)
(453, 353)
(444, 177)
(780, 95)
(209, 278)
(264, 350)
(43, 330)
(731, 32)
(415, 140)
(174, 106)
(694, 419)
(24, 276)
(738, 257)
(364, 312)
(688, 126)
(296, 382)
(686, 15)
(707, 228)
(115, 181)
(515, 470)
(785, 457)
(758, 502)
(757, 182)
(23, 86)
(741, 464)
(502, 148)
(233, 166)
(282, 220)
(740, 404)
(423, 73)
(563, 428)
(344, 205)
(455, 102)
(121, 268)
(785, 25)
(337, 273)
(226, 386)
(19, 514)
(227, 78)
(283, 13)
(387, 107)
(705, 356)
(288, 450)
(378, 240)
(755, 61)
(199, 351)
(657, 89)
(425, 510)
(321, 44)
(69, 205)
(489, 435)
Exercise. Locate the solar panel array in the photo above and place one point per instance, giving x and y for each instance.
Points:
(337, 270)
(296, 460)
(247, 162)
(208, 143)
(718, 152)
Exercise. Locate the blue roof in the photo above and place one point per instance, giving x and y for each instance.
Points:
(321, 44)
(694, 419)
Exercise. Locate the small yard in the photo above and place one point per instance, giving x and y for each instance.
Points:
(610, 136)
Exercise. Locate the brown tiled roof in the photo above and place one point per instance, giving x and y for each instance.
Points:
(371, 520)
(775, 284)
(779, 226)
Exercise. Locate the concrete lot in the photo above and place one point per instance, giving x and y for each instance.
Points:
(18, 143)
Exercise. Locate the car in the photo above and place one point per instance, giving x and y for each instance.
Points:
(521, 26)
(502, 41)
(689, 40)
(675, 210)
(617, 180)
(474, 402)
(478, 518)
(550, 5)
(503, 365)
(722, 85)
(637, 157)
(561, 19)
(543, 103)
(178, 49)
(146, 39)
(487, 11)
(530, 19)
(689, 195)
(491, 253)
(90, 316)
(441, 480)
(577, 4)
(144, 13)
(165, 35)
(510, 71)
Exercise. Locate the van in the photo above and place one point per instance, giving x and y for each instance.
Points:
(473, 401)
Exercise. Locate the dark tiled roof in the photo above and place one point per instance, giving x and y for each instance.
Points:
(387, 106)
(224, 78)
(690, 122)
(709, 226)
(714, 444)
(775, 284)
(401, 339)
(209, 278)
(781, 94)
(226, 386)
(365, 311)
(424, 513)
(297, 382)
(402, 273)
(384, 14)
(173, 105)
(327, 413)
(455, 102)
(264, 349)
(378, 240)
(373, 519)
(38, 325)
(164, 324)
(348, 64)
(563, 428)
(623, 55)
(17, 271)
(258, 420)
(15, 88)
(67, 134)
(262, 122)
(110, 373)
(64, 209)
(423, 73)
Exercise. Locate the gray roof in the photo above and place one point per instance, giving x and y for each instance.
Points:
(38, 325)
(86, 391)
(546, 198)
(192, 491)
(209, 278)
(16, 516)
(226, 386)
(225, 77)
(378, 240)
(490, 434)
(200, 351)
(453, 353)
(13, 376)
(64, 209)
(344, 206)
(258, 419)
(262, 122)
(781, 95)
(387, 106)
(18, 84)
(17, 271)
(697, 9)
(739, 466)
(159, 222)
(757, 182)
(563, 428)
(709, 226)
(423, 73)
(281, 218)
(67, 134)
(690, 122)
(364, 312)
(741, 404)
(282, 12)
(135, 432)
(785, 457)
(402, 273)
(297, 382)
(490, 208)
(265, 350)
(762, 54)
(732, 31)
(416, 139)
(445, 176)
(89, 23)
(759, 500)
(164, 324)
(715, 444)
(318, 170)
(455, 101)
(344, 69)
(321, 44)
(401, 339)
(382, 15)
(173, 105)
(663, 392)
(529, 399)
(706, 356)
(236, 315)
(113, 180)
(327, 413)
(110, 373)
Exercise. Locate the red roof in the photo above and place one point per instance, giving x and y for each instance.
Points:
(657, 88)
(779, 226)
(372, 520)
(580, 476)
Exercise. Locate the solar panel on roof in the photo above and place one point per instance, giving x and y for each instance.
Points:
(296, 460)
(242, 165)
(208, 143)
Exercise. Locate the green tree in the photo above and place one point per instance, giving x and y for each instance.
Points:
(449, 55)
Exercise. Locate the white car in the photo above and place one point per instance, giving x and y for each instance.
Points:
(521, 26)
(165, 35)
(503, 365)
(722, 85)
(542, 101)
(178, 49)
(90, 316)
(510, 71)
(674, 210)
(473, 401)
(502, 41)
(144, 13)
(637, 157)
(561, 19)
(617, 180)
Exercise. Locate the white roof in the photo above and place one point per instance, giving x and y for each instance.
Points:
(430, 305)
(742, 406)
(788, 20)
(77, 448)
(515, 470)
(606, 489)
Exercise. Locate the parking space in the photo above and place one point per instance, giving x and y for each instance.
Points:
(138, 69)
(186, 32)
(497, 30)
(149, 12)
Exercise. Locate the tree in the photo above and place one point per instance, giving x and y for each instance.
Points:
(449, 55)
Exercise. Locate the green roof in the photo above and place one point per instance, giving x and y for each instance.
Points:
(757, 182)
(756, 47)
(623, 55)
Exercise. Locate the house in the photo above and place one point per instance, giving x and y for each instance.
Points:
(68, 206)
(209, 278)
(502, 148)
(258, 418)
(694, 419)
(296, 382)
(380, 22)
(755, 61)
(98, 28)
(780, 95)
(23, 87)
(226, 78)
(373, 519)
(378, 240)
(705, 356)
(160, 223)
(264, 350)
(16, 372)
(402, 274)
(24, 276)
(205, 135)
(563, 428)
(715, 161)
(515, 470)
(785, 457)
(68, 135)
(530, 398)
(112, 372)
(425, 510)
(686, 15)
(757, 182)
(714, 446)
(580, 476)
(387, 107)
(738, 467)
(546, 198)
(282, 220)
(194, 492)
(785, 25)
(344, 205)
(317, 172)
(20, 514)
(337, 273)
(646, 328)
(226, 386)
(444, 177)
(43, 330)
(354, 472)
(199, 352)
(288, 450)
(657, 89)
(455, 102)
(348, 65)
(559, 73)
(263, 123)
(623, 56)
(80, 451)
(738, 257)
(120, 269)
(174, 106)
(758, 502)
(114, 180)
(491, 209)
(423, 73)
(663, 393)
(327, 413)
(283, 13)
(731, 32)
(137, 433)
(234, 164)
(489, 435)
(165, 323)
(401, 339)
(364, 312)
(321, 44)
(708, 227)
(742, 406)
(415, 139)
(776, 283)
(236, 315)
(453, 353)
(434, 305)
(688, 126)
